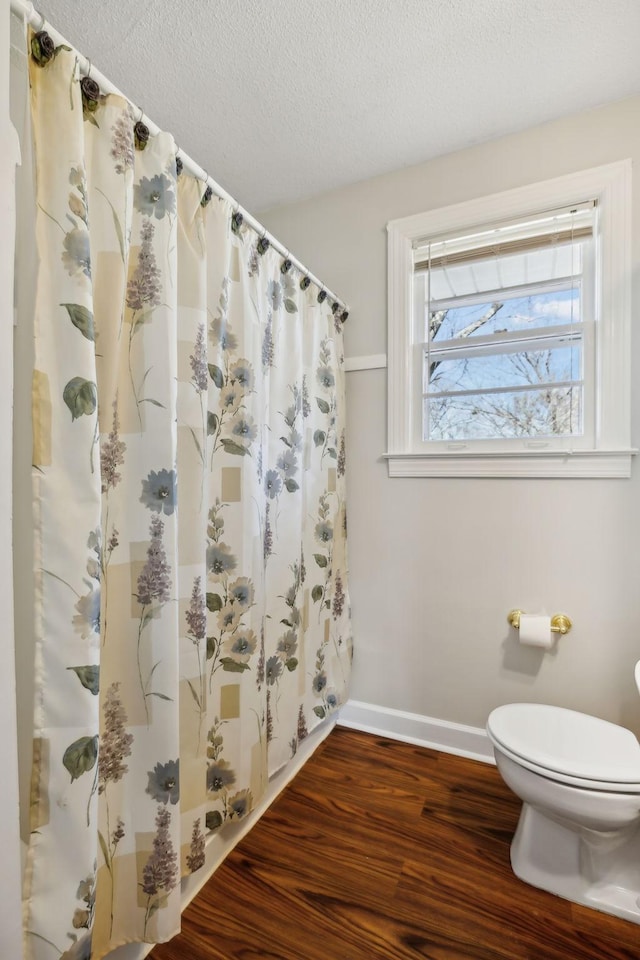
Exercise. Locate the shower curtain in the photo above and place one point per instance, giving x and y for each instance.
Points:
(192, 608)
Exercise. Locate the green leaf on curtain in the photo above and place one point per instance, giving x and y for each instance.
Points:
(216, 375)
(103, 847)
(161, 696)
(287, 623)
(291, 663)
(324, 406)
(320, 712)
(158, 904)
(118, 229)
(81, 318)
(319, 437)
(196, 441)
(290, 305)
(316, 593)
(230, 446)
(89, 676)
(156, 403)
(233, 666)
(213, 820)
(211, 647)
(80, 396)
(116, 222)
(320, 559)
(139, 321)
(291, 485)
(212, 423)
(214, 602)
(332, 453)
(81, 756)
(194, 694)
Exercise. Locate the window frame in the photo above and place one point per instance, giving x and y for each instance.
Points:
(611, 453)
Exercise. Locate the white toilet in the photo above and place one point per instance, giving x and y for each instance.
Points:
(579, 780)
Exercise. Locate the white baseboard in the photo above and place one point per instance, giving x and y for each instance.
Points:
(456, 738)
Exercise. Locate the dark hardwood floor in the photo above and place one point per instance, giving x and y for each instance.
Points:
(379, 849)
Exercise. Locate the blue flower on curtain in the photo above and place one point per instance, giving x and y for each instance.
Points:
(159, 491)
(77, 252)
(154, 197)
(221, 334)
(220, 560)
(164, 782)
(272, 484)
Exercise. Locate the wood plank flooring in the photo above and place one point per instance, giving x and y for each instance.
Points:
(379, 850)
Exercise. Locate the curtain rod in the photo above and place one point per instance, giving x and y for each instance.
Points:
(26, 10)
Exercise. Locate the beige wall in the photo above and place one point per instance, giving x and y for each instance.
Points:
(436, 564)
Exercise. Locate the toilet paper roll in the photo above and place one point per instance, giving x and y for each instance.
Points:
(535, 630)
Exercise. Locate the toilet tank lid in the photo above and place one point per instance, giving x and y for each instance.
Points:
(567, 742)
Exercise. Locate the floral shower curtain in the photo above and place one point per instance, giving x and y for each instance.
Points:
(192, 608)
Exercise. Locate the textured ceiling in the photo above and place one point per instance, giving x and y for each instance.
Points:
(283, 99)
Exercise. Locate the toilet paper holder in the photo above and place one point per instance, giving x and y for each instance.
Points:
(560, 622)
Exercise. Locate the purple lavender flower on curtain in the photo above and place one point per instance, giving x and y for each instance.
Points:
(115, 745)
(112, 454)
(154, 580)
(306, 404)
(160, 873)
(337, 603)
(143, 289)
(122, 141)
(195, 857)
(196, 615)
(342, 456)
(115, 742)
(302, 725)
(198, 361)
(153, 585)
(269, 717)
(143, 294)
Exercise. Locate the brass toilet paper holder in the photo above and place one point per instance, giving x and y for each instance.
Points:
(560, 622)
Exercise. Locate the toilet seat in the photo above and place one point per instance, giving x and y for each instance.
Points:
(568, 747)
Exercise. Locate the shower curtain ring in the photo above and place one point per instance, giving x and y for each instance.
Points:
(263, 243)
(236, 219)
(208, 191)
(286, 264)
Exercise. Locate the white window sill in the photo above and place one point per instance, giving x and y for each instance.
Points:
(562, 463)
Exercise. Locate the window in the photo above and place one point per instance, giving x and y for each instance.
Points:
(503, 323)
(509, 325)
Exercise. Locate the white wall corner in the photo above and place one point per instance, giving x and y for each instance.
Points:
(456, 738)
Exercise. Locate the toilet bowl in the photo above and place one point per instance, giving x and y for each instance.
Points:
(579, 779)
